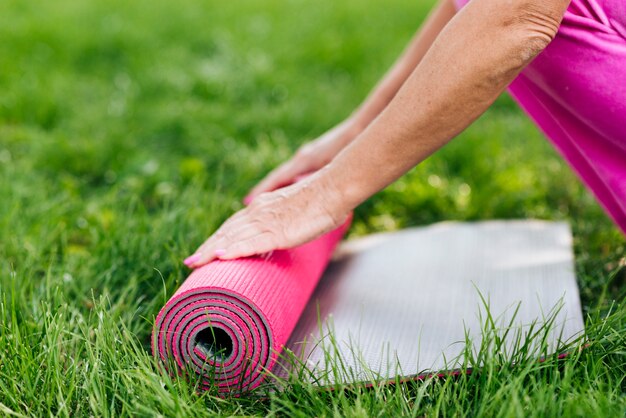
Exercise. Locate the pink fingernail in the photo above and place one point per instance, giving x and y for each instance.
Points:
(220, 252)
(191, 259)
(247, 200)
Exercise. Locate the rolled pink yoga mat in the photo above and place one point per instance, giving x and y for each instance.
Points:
(230, 319)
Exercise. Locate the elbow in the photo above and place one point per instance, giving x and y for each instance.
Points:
(531, 44)
(536, 36)
(533, 27)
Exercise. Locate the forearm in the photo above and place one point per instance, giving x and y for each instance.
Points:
(322, 150)
(471, 62)
(387, 88)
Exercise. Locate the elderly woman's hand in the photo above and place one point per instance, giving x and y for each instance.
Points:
(309, 158)
(468, 65)
(280, 219)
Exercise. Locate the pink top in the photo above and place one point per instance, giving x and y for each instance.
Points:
(575, 91)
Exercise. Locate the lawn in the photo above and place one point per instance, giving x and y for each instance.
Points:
(130, 129)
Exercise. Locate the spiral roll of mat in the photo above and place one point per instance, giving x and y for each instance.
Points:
(230, 319)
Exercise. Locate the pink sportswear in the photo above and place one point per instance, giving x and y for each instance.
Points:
(575, 91)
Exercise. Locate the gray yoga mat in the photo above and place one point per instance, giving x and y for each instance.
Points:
(403, 303)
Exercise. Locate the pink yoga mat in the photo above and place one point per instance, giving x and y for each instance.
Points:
(230, 319)
(391, 305)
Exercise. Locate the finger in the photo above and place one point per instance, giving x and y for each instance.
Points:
(207, 251)
(281, 176)
(256, 244)
(231, 222)
(233, 234)
(215, 247)
(273, 181)
(193, 260)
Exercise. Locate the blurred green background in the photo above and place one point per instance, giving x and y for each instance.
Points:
(130, 129)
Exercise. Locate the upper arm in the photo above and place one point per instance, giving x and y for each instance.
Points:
(523, 27)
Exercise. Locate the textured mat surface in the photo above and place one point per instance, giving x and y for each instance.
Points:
(403, 303)
(397, 303)
(230, 319)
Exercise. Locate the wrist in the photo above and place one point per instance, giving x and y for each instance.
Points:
(339, 189)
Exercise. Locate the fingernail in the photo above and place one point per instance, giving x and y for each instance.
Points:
(220, 252)
(247, 200)
(191, 259)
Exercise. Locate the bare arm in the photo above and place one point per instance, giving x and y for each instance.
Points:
(387, 88)
(480, 51)
(314, 155)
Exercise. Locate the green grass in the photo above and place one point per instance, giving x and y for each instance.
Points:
(130, 130)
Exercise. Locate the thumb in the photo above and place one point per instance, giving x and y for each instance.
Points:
(283, 175)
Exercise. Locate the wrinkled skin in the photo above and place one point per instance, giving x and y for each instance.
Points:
(273, 220)
(452, 71)
(309, 158)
